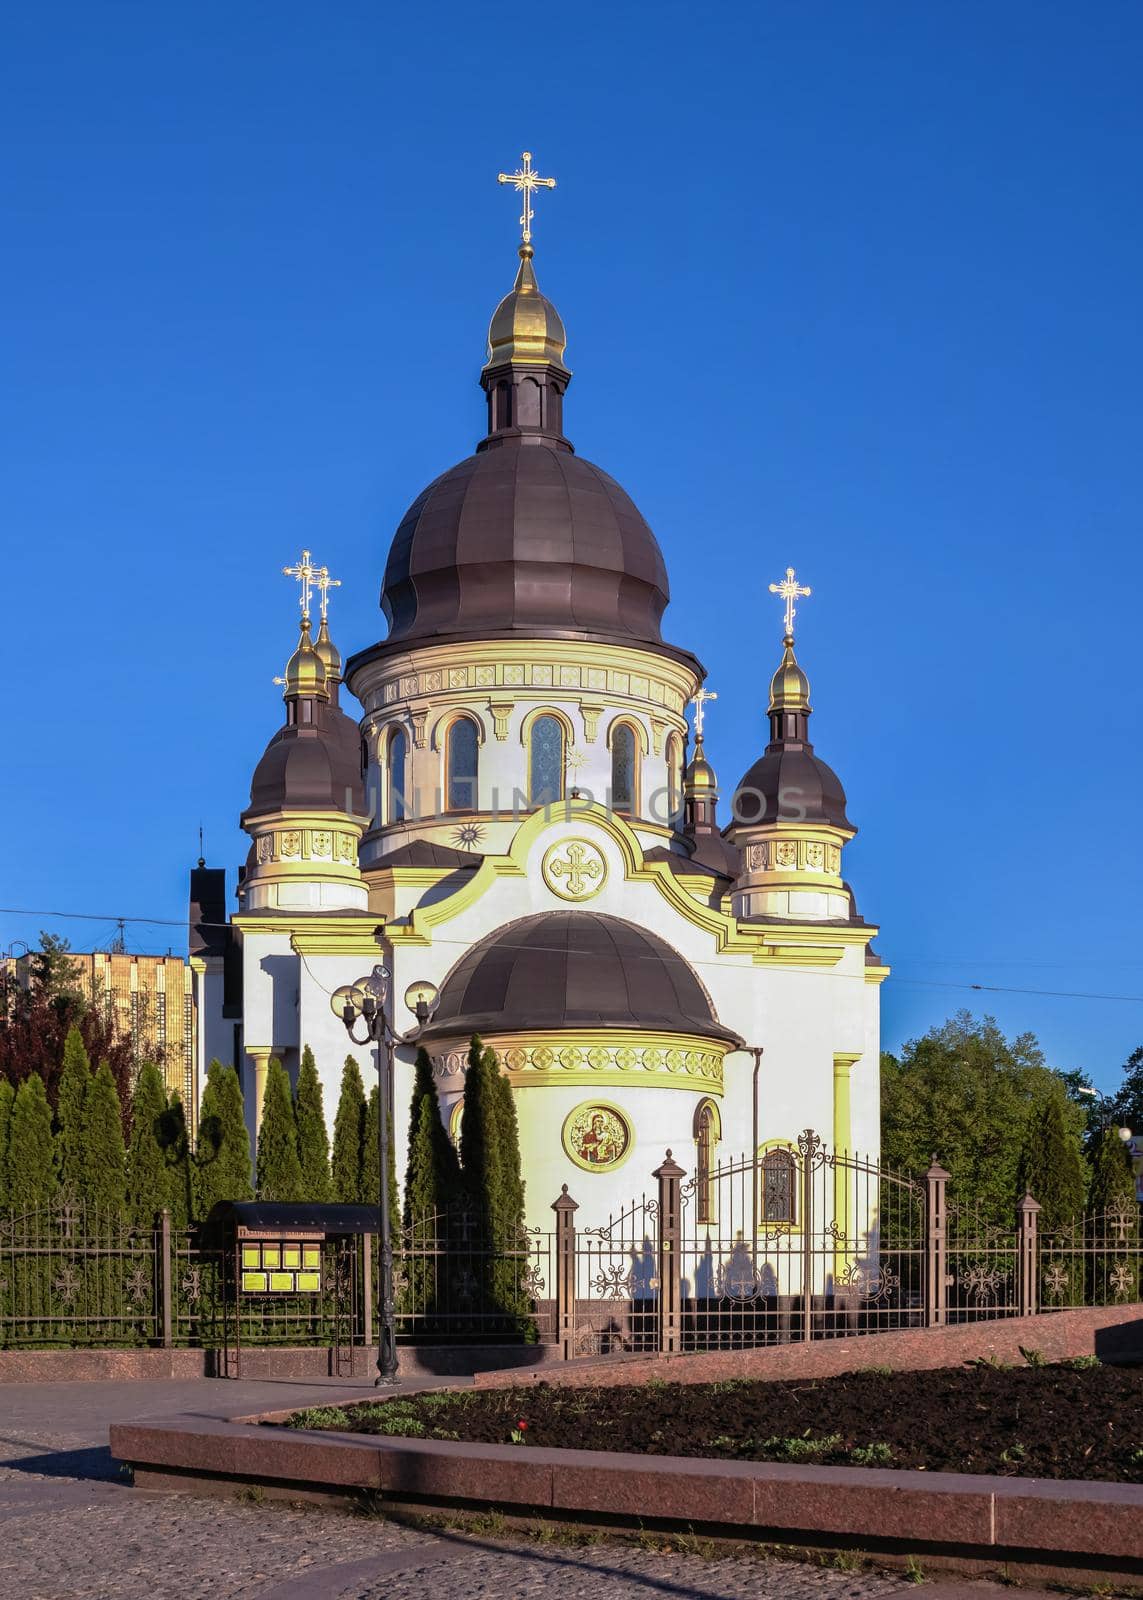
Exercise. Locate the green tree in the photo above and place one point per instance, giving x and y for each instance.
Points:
(511, 1169)
(31, 1163)
(71, 1110)
(1113, 1224)
(175, 1140)
(1051, 1167)
(147, 1186)
(222, 1168)
(279, 1170)
(480, 1133)
(104, 1158)
(313, 1140)
(970, 1096)
(432, 1171)
(348, 1135)
(1127, 1106)
(56, 973)
(7, 1097)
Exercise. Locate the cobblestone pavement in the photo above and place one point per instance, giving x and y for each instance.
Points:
(69, 1530)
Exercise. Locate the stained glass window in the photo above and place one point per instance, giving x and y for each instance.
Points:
(398, 751)
(704, 1166)
(546, 761)
(623, 768)
(461, 756)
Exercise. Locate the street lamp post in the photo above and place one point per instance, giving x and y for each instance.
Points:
(365, 1000)
(1105, 1112)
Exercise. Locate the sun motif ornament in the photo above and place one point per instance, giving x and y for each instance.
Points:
(574, 869)
(597, 1136)
(467, 836)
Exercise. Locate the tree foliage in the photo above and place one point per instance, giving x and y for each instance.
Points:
(313, 1140)
(1051, 1166)
(71, 1111)
(7, 1097)
(1112, 1175)
(31, 1159)
(970, 1096)
(181, 1187)
(222, 1167)
(432, 1170)
(369, 1192)
(147, 1185)
(348, 1135)
(279, 1170)
(1127, 1106)
(104, 1170)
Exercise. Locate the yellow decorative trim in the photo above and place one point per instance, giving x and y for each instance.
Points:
(624, 719)
(877, 974)
(587, 1055)
(445, 720)
(794, 944)
(331, 935)
(501, 711)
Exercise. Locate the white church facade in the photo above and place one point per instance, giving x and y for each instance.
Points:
(516, 813)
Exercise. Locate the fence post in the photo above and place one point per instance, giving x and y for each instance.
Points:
(165, 1295)
(809, 1143)
(367, 1291)
(936, 1246)
(1027, 1277)
(670, 1263)
(565, 1209)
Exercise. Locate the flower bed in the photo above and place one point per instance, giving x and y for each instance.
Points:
(1074, 1420)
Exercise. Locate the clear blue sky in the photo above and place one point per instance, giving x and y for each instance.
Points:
(853, 287)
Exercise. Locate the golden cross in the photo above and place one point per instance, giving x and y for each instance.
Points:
(325, 583)
(306, 573)
(790, 590)
(699, 702)
(524, 182)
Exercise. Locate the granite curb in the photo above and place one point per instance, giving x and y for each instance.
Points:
(1038, 1523)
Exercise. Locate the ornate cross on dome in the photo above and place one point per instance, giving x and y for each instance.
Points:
(306, 574)
(524, 182)
(325, 583)
(699, 702)
(790, 590)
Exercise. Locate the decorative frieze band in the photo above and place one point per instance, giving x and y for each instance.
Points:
(793, 855)
(557, 1061)
(306, 844)
(537, 675)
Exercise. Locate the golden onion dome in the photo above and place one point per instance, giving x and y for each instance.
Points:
(526, 330)
(329, 653)
(700, 776)
(789, 687)
(305, 670)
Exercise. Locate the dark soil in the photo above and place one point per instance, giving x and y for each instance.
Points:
(1034, 1422)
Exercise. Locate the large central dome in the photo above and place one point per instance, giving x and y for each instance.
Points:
(524, 537)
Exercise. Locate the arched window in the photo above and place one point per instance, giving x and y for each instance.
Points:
(461, 758)
(778, 1190)
(674, 776)
(545, 761)
(396, 764)
(624, 769)
(706, 1136)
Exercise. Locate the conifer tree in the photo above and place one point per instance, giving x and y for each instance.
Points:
(31, 1158)
(222, 1167)
(512, 1176)
(1112, 1178)
(104, 1182)
(147, 1186)
(432, 1172)
(1051, 1168)
(175, 1141)
(1113, 1224)
(348, 1135)
(74, 1084)
(313, 1140)
(7, 1097)
(480, 1134)
(279, 1170)
(368, 1194)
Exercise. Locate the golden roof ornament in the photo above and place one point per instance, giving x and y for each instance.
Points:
(312, 662)
(700, 774)
(525, 182)
(789, 687)
(306, 574)
(305, 671)
(526, 329)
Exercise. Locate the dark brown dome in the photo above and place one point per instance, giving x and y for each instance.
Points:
(789, 783)
(569, 969)
(529, 538)
(311, 766)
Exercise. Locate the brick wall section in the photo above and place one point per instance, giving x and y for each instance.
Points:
(1114, 1333)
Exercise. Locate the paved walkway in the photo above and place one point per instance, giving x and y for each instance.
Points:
(70, 1530)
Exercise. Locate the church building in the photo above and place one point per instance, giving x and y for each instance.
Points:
(503, 801)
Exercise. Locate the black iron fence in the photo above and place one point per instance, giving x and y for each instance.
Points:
(800, 1243)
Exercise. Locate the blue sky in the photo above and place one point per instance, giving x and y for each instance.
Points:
(850, 287)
